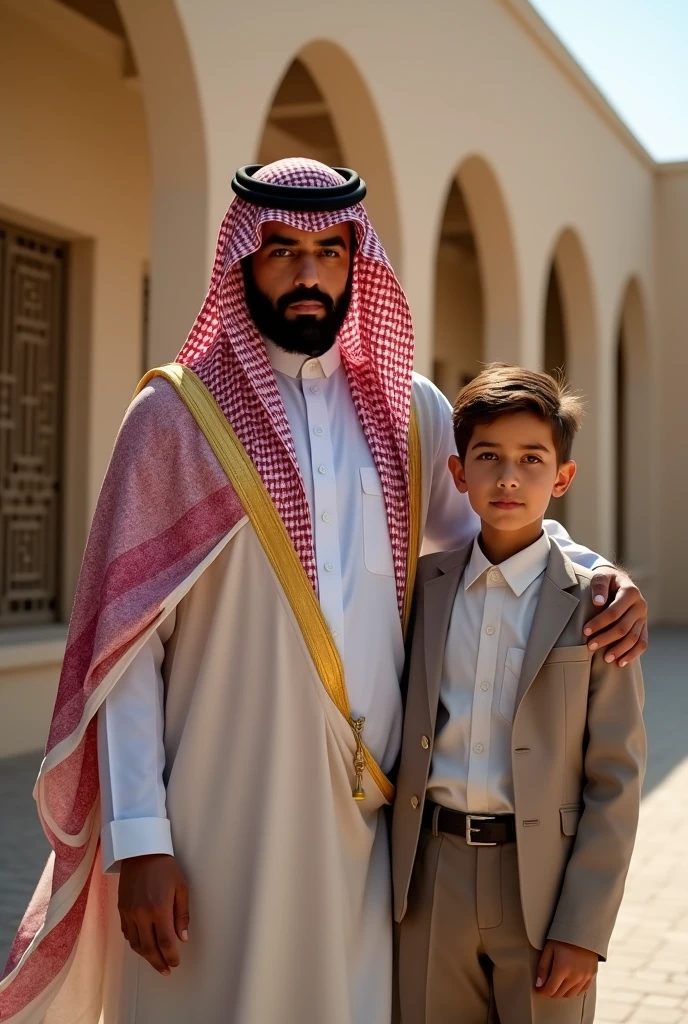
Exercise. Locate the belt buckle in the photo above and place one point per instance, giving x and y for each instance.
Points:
(470, 818)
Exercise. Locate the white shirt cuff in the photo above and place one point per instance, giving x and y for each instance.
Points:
(133, 837)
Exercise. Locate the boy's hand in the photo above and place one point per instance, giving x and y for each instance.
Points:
(154, 908)
(564, 970)
(623, 622)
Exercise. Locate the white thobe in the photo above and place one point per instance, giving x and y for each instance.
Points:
(356, 584)
(488, 632)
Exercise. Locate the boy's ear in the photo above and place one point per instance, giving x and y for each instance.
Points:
(457, 471)
(565, 475)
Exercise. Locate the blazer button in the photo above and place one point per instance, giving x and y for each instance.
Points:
(414, 802)
(424, 742)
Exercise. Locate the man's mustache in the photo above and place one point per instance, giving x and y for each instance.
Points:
(305, 295)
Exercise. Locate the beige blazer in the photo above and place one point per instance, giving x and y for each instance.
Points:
(578, 754)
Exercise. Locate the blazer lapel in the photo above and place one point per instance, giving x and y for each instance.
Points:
(438, 596)
(554, 609)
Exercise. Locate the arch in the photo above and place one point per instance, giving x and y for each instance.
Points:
(477, 309)
(570, 342)
(323, 108)
(633, 435)
(179, 274)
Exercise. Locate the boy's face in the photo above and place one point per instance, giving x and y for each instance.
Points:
(510, 471)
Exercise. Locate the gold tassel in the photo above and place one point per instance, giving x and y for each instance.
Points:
(359, 758)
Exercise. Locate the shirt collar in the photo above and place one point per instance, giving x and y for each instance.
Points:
(294, 364)
(519, 571)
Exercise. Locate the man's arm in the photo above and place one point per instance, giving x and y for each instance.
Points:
(452, 523)
(614, 766)
(135, 836)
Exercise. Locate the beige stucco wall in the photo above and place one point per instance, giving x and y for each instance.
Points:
(74, 164)
(478, 92)
(670, 452)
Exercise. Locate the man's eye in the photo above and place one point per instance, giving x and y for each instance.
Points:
(329, 253)
(281, 252)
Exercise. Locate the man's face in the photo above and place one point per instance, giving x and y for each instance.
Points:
(298, 285)
(511, 471)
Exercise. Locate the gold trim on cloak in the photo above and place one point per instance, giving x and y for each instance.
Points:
(277, 544)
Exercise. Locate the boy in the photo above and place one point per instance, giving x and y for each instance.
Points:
(523, 752)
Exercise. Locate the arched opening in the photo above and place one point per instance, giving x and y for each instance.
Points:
(476, 287)
(459, 302)
(322, 109)
(570, 347)
(633, 441)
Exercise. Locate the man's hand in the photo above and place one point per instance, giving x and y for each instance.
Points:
(565, 971)
(623, 622)
(154, 908)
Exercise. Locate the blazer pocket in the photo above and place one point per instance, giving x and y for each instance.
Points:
(510, 681)
(377, 547)
(570, 816)
(560, 655)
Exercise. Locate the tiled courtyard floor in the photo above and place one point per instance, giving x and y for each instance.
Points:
(646, 978)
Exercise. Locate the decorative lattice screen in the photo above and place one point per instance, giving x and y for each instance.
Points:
(32, 287)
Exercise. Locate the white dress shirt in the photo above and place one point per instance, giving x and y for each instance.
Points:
(488, 631)
(357, 591)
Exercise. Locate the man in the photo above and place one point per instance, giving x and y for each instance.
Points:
(229, 703)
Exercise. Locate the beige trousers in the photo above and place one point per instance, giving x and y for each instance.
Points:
(464, 957)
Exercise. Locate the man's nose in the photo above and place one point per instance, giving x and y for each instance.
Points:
(307, 273)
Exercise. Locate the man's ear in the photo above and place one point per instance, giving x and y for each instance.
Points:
(565, 475)
(457, 471)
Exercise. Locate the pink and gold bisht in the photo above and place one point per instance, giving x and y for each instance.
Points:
(204, 445)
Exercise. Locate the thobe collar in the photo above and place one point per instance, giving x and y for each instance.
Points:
(519, 571)
(294, 364)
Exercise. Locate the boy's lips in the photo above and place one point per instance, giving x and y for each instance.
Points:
(507, 504)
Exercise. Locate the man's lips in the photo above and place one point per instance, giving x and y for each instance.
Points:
(306, 307)
(506, 504)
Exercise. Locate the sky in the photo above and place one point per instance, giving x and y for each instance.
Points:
(636, 53)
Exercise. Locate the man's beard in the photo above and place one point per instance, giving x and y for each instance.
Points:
(304, 334)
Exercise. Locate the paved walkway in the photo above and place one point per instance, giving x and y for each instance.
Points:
(646, 978)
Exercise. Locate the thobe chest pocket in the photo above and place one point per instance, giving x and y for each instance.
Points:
(377, 547)
(510, 681)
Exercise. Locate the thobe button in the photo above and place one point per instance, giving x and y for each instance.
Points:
(328, 567)
(484, 687)
(424, 742)
(495, 575)
(326, 517)
(335, 633)
(478, 747)
(317, 431)
(315, 390)
(414, 802)
(489, 630)
(322, 470)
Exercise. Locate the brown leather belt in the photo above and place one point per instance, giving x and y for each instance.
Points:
(476, 829)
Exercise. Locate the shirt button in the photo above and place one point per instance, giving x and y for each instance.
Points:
(322, 470)
(315, 390)
(489, 630)
(495, 575)
(335, 633)
(414, 802)
(328, 567)
(484, 687)
(326, 517)
(318, 431)
(478, 748)
(424, 742)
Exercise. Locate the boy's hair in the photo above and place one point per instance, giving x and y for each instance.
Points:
(501, 389)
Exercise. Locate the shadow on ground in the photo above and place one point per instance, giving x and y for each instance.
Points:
(23, 848)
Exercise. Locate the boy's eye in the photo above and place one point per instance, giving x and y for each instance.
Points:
(485, 456)
(533, 459)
